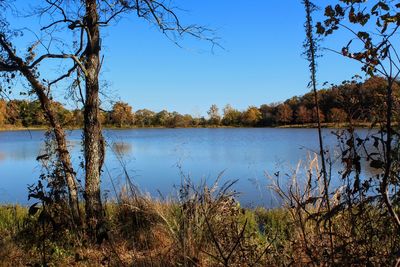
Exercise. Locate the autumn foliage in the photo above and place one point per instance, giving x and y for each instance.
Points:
(353, 101)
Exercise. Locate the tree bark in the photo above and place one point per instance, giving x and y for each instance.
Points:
(94, 148)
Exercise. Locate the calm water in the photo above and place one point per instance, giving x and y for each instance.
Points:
(155, 158)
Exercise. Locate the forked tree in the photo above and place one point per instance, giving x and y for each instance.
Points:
(78, 25)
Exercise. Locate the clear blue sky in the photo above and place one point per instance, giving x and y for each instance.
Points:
(261, 63)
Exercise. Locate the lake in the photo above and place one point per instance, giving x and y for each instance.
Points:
(156, 158)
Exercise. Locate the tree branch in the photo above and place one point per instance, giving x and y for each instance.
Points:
(60, 56)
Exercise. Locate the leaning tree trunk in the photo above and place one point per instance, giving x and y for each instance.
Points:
(62, 149)
(47, 106)
(94, 148)
(59, 133)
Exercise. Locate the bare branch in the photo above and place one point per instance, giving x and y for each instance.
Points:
(59, 56)
(64, 76)
(73, 24)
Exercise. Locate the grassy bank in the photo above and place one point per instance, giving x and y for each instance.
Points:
(145, 233)
(203, 228)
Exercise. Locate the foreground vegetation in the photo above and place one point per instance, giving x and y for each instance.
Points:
(203, 226)
(144, 232)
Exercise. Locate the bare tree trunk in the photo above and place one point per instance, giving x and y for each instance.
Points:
(59, 133)
(94, 148)
(389, 155)
(62, 150)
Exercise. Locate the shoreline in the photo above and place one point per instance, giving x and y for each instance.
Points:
(10, 128)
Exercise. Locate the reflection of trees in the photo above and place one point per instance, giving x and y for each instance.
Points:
(27, 151)
(122, 148)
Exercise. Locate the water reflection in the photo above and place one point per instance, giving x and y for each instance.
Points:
(122, 148)
(20, 152)
(152, 156)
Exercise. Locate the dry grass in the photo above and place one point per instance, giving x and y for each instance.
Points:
(362, 231)
(204, 227)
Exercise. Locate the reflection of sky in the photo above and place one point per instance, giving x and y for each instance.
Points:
(151, 158)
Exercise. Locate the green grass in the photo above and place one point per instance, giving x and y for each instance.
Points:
(12, 218)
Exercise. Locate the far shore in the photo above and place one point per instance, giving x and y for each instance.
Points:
(112, 127)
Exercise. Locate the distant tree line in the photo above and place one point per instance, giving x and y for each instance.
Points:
(355, 101)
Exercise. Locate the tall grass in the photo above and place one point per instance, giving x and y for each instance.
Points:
(362, 236)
